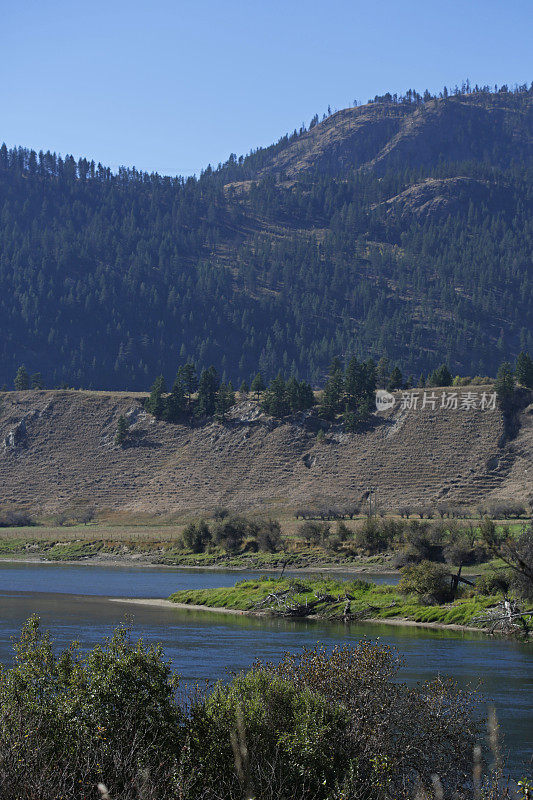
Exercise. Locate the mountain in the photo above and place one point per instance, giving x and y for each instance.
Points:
(401, 228)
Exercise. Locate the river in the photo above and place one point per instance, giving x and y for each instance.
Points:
(74, 602)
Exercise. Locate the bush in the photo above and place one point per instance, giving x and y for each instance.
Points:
(279, 736)
(422, 541)
(197, 536)
(269, 536)
(333, 543)
(16, 519)
(493, 583)
(317, 725)
(313, 533)
(230, 532)
(72, 720)
(395, 735)
(426, 578)
(372, 537)
(343, 531)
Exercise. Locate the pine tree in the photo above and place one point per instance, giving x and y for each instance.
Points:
(440, 377)
(395, 380)
(258, 385)
(156, 403)
(505, 384)
(207, 392)
(36, 381)
(524, 370)
(189, 378)
(293, 394)
(244, 389)
(22, 379)
(306, 396)
(275, 400)
(383, 372)
(175, 405)
(333, 391)
(122, 430)
(224, 401)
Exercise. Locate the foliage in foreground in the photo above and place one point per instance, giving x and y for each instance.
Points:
(320, 725)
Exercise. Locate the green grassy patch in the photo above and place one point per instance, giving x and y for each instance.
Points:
(366, 599)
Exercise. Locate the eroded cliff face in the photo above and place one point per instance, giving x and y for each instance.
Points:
(58, 447)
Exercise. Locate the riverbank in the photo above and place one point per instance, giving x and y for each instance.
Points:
(103, 555)
(401, 622)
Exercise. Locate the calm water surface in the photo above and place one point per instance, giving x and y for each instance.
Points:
(74, 602)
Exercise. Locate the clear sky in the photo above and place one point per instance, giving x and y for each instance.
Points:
(172, 85)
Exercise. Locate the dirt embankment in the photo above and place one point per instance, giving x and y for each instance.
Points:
(57, 448)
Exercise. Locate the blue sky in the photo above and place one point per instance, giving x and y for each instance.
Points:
(174, 85)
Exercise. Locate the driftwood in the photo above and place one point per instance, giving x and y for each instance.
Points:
(285, 604)
(506, 617)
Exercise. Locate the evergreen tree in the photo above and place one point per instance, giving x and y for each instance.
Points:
(275, 400)
(207, 392)
(258, 385)
(306, 396)
(333, 391)
(395, 380)
(36, 381)
(524, 370)
(369, 381)
(22, 379)
(176, 405)
(244, 389)
(505, 384)
(224, 401)
(382, 372)
(156, 403)
(441, 377)
(293, 394)
(122, 430)
(189, 379)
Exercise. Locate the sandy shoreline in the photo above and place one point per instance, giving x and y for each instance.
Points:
(399, 621)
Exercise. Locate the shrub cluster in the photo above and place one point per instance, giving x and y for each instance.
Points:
(233, 533)
(10, 518)
(317, 725)
(329, 511)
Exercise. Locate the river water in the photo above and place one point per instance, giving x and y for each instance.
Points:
(75, 602)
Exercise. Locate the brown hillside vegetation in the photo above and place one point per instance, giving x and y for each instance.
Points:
(380, 136)
(57, 448)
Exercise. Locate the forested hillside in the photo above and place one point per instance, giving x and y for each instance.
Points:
(401, 228)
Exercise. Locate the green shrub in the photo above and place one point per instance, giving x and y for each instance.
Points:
(71, 720)
(261, 719)
(269, 536)
(319, 724)
(426, 578)
(197, 536)
(313, 533)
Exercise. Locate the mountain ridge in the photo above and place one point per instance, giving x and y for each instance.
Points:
(271, 262)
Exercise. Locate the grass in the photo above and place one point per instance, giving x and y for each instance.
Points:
(367, 599)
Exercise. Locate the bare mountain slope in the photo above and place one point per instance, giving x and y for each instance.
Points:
(57, 447)
(382, 136)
